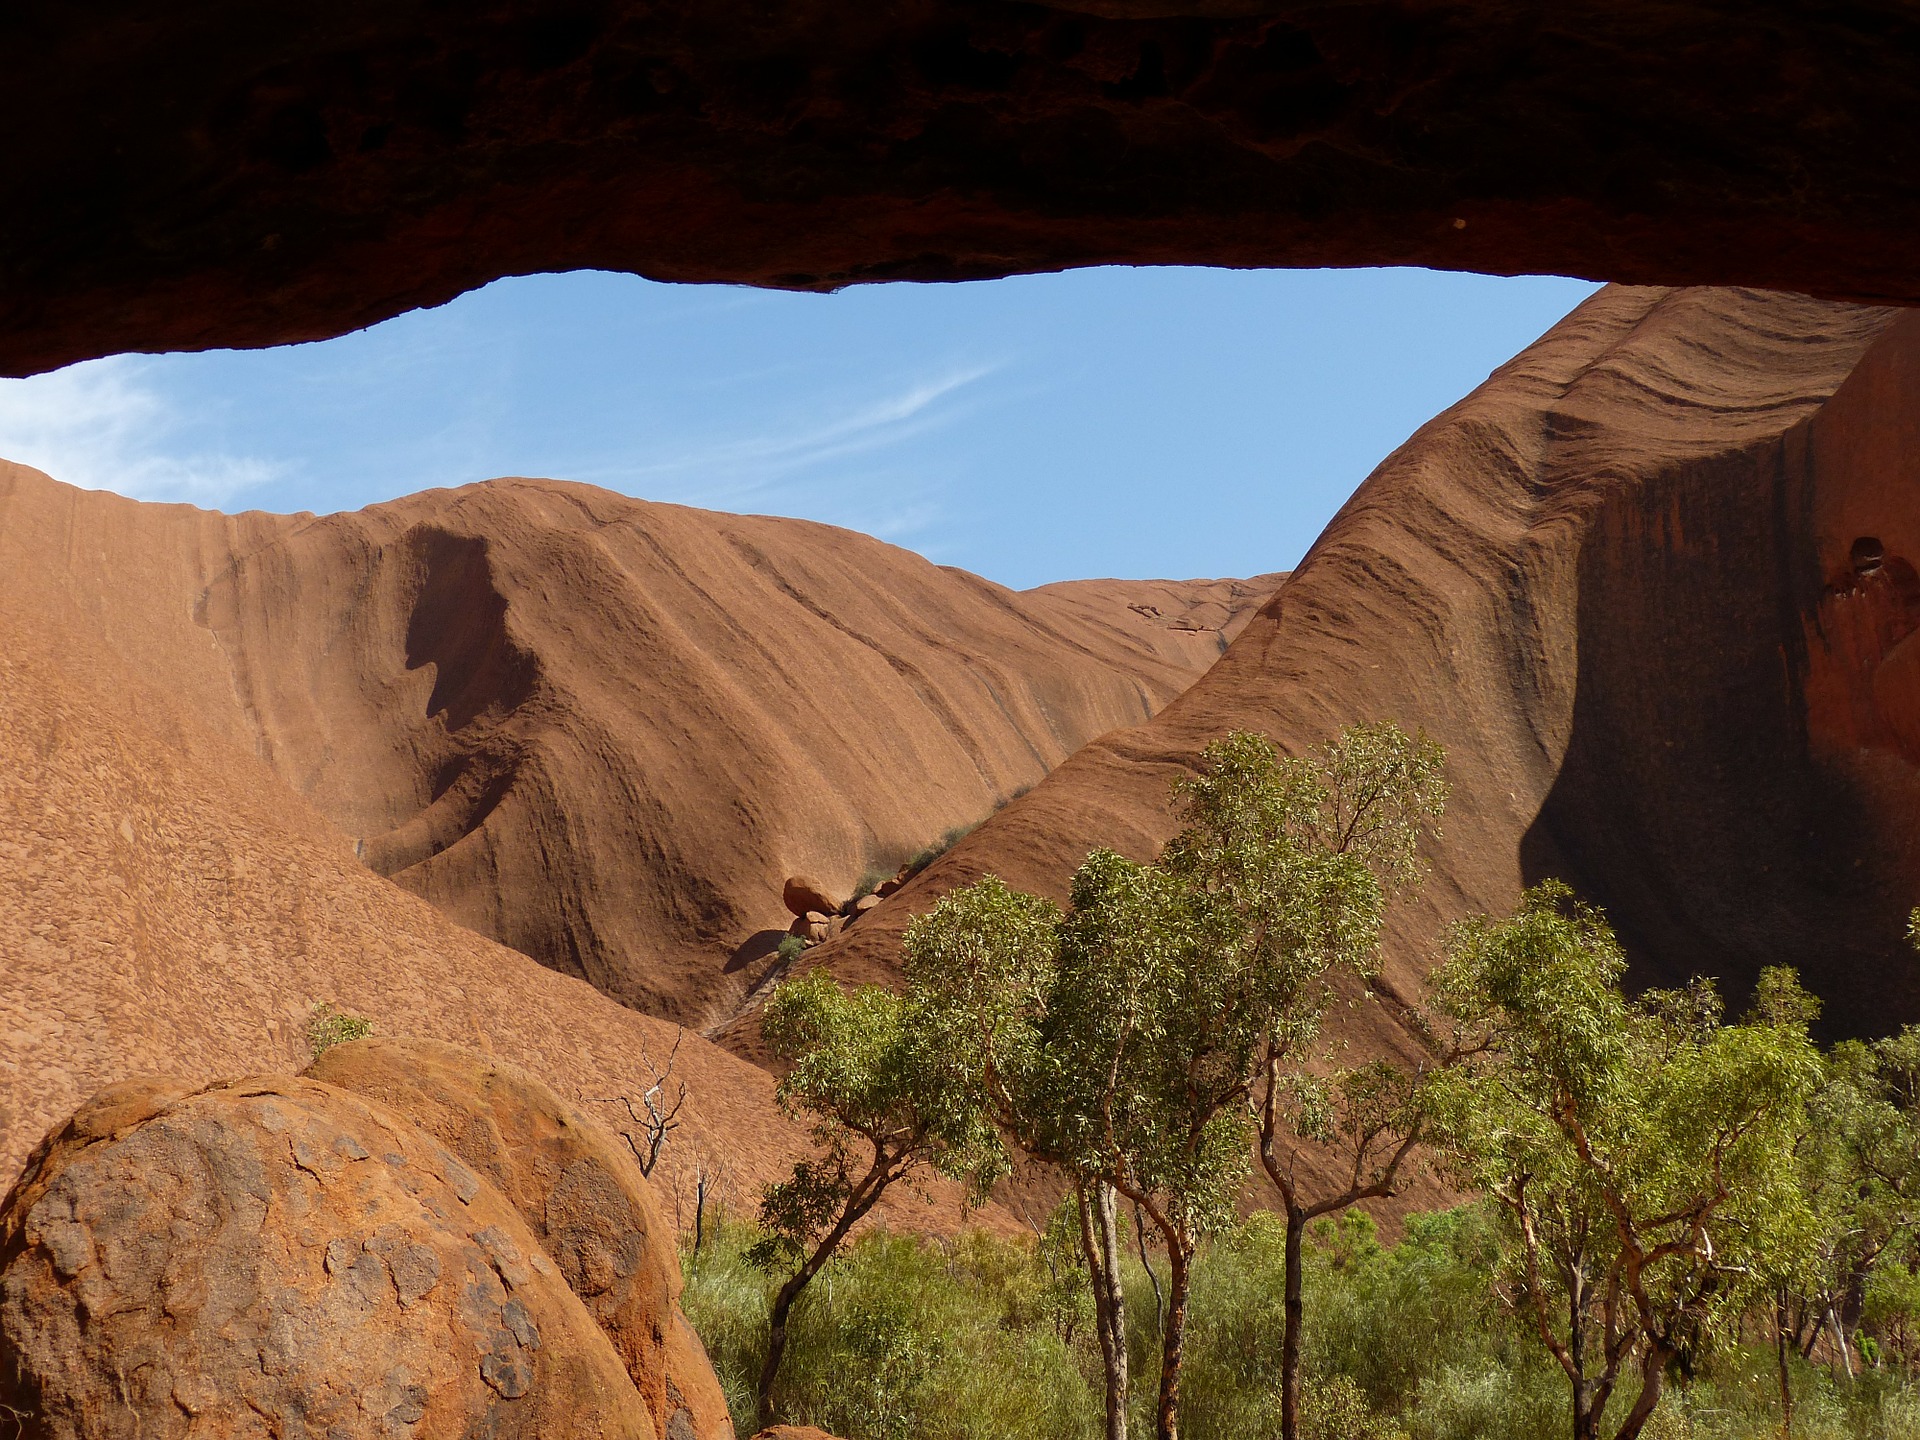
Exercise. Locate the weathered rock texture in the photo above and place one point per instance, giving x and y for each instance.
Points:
(580, 1192)
(1653, 587)
(233, 175)
(279, 1257)
(169, 903)
(604, 732)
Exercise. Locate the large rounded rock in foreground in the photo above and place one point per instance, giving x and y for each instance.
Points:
(579, 1190)
(278, 1257)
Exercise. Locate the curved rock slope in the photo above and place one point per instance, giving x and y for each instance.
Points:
(604, 731)
(1653, 585)
(169, 904)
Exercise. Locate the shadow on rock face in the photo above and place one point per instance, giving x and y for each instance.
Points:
(289, 1253)
(1744, 762)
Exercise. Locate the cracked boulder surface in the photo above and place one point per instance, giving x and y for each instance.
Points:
(579, 1190)
(231, 175)
(278, 1256)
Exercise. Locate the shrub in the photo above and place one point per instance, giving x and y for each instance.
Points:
(329, 1027)
(981, 1337)
(899, 1336)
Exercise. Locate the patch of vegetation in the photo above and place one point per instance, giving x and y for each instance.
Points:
(980, 1337)
(1694, 1227)
(911, 865)
(900, 1337)
(329, 1027)
(789, 949)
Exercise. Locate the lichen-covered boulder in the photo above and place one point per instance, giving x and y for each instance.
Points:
(281, 1257)
(579, 1190)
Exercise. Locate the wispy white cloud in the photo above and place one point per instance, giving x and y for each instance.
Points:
(102, 426)
(735, 470)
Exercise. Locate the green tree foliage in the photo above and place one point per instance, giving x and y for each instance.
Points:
(1859, 1161)
(1306, 855)
(887, 1088)
(1640, 1151)
(1126, 1041)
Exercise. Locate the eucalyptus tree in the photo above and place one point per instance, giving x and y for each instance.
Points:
(886, 1090)
(1641, 1151)
(1859, 1162)
(1127, 1040)
(1304, 855)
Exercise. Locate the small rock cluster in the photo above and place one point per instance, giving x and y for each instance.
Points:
(817, 916)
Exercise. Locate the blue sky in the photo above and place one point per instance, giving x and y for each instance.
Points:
(1124, 422)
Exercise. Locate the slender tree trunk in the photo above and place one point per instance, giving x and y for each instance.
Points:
(1290, 1332)
(1095, 1229)
(1106, 1213)
(865, 1195)
(1780, 1349)
(1840, 1341)
(1586, 1423)
(1179, 1277)
(1146, 1264)
(1653, 1380)
(777, 1338)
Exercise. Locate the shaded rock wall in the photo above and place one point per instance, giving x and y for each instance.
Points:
(236, 176)
(1741, 779)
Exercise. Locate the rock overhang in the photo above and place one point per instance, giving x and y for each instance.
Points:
(236, 177)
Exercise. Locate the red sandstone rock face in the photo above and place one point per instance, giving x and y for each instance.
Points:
(230, 175)
(605, 732)
(580, 1192)
(1620, 583)
(279, 1256)
(170, 904)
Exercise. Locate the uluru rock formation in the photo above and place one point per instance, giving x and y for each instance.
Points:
(1652, 585)
(229, 175)
(174, 683)
(605, 732)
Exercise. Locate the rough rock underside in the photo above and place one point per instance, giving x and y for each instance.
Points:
(231, 174)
